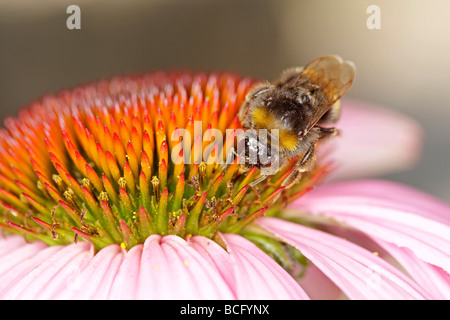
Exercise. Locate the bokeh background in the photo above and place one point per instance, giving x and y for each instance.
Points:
(405, 65)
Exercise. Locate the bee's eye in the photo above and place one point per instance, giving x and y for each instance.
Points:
(300, 133)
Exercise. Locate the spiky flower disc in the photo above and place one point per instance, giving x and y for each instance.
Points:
(97, 163)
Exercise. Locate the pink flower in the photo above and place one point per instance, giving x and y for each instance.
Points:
(362, 240)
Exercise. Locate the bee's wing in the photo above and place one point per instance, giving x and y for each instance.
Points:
(332, 76)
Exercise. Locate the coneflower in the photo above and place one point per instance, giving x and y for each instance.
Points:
(100, 163)
(100, 181)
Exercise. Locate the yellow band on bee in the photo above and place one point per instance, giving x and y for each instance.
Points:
(264, 119)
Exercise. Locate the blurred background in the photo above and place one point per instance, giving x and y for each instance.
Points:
(404, 66)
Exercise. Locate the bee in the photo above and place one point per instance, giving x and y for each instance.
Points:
(301, 105)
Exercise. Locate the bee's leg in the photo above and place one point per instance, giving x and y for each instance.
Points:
(264, 175)
(308, 160)
(326, 132)
(332, 115)
(304, 165)
(231, 155)
(292, 178)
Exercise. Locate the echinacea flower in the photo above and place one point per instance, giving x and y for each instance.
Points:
(93, 205)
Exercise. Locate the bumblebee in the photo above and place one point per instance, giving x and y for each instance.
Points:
(301, 105)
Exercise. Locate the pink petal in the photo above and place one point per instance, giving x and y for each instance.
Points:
(359, 273)
(250, 272)
(10, 243)
(62, 280)
(390, 218)
(163, 268)
(95, 279)
(318, 286)
(40, 273)
(171, 269)
(384, 193)
(218, 257)
(18, 258)
(373, 141)
(433, 279)
(127, 279)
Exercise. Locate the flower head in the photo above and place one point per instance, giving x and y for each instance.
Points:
(125, 204)
(106, 162)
